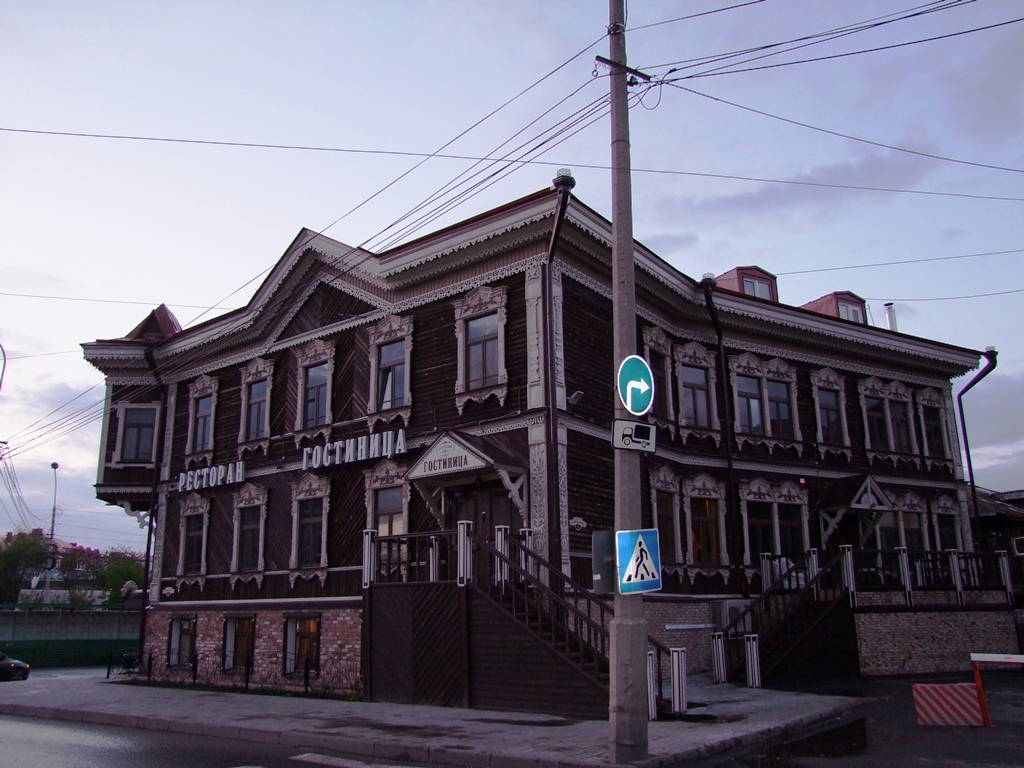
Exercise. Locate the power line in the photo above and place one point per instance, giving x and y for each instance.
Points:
(952, 298)
(102, 301)
(895, 263)
(692, 16)
(845, 135)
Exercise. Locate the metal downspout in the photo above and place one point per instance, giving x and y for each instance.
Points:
(154, 495)
(990, 356)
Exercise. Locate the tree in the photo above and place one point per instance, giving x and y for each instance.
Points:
(21, 558)
(120, 565)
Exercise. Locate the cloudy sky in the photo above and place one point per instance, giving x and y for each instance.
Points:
(823, 140)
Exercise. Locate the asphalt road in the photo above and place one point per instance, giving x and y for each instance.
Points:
(30, 743)
(885, 732)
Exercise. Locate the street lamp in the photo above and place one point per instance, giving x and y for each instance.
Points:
(51, 559)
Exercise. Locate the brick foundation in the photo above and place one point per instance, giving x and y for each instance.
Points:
(917, 642)
(683, 624)
(340, 649)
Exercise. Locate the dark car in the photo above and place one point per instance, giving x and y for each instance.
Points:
(12, 669)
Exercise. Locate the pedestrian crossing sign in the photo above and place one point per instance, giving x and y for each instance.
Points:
(638, 558)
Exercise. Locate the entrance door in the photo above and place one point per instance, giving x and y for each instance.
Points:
(486, 505)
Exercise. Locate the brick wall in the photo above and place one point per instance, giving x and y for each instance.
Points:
(910, 643)
(340, 644)
(683, 624)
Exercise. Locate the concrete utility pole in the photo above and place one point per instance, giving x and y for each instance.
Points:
(627, 708)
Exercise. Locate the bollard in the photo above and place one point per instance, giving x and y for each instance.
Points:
(110, 663)
(750, 643)
(652, 688)
(678, 664)
(247, 676)
(149, 667)
(305, 675)
(718, 657)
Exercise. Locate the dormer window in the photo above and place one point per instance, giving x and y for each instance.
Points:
(853, 312)
(753, 286)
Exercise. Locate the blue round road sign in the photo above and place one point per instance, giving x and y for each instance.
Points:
(635, 384)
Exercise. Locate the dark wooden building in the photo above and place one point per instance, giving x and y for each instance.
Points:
(325, 439)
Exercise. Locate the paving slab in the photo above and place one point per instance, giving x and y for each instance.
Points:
(730, 717)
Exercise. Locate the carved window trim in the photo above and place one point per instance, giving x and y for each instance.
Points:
(946, 505)
(386, 474)
(664, 479)
(202, 387)
(194, 506)
(255, 371)
(314, 353)
(704, 486)
(747, 364)
(932, 398)
(656, 340)
(247, 497)
(306, 488)
(761, 490)
(828, 379)
(481, 301)
(911, 503)
(389, 330)
(121, 409)
(695, 355)
(893, 391)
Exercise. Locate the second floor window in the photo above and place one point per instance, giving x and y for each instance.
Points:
(695, 397)
(202, 426)
(748, 397)
(391, 375)
(310, 533)
(934, 443)
(193, 544)
(256, 418)
(779, 414)
(760, 531)
(899, 417)
(482, 351)
(315, 396)
(137, 438)
(878, 432)
(829, 417)
(248, 538)
(704, 531)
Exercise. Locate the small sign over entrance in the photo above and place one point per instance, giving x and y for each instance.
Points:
(638, 558)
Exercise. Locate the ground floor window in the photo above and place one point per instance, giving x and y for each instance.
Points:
(705, 545)
(665, 511)
(239, 643)
(181, 648)
(302, 644)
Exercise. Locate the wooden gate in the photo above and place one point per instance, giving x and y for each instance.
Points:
(414, 644)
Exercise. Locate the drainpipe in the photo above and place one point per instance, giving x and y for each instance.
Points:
(563, 183)
(154, 496)
(708, 284)
(990, 363)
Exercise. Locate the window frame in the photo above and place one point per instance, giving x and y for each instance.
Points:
(755, 283)
(481, 301)
(850, 307)
(665, 480)
(174, 635)
(309, 487)
(316, 352)
(945, 507)
(658, 353)
(894, 391)
(705, 487)
(828, 379)
(289, 661)
(254, 372)
(203, 386)
(122, 410)
(194, 506)
(932, 398)
(776, 370)
(760, 490)
(390, 330)
(230, 660)
(696, 356)
(249, 496)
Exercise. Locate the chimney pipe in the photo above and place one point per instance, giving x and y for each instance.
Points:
(890, 316)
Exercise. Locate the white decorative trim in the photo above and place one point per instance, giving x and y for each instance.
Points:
(314, 353)
(391, 329)
(121, 409)
(202, 387)
(894, 391)
(257, 370)
(705, 486)
(933, 398)
(772, 370)
(656, 340)
(665, 479)
(694, 355)
(247, 496)
(479, 302)
(309, 486)
(826, 378)
(195, 505)
(760, 490)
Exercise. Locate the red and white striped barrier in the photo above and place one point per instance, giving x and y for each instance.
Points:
(949, 704)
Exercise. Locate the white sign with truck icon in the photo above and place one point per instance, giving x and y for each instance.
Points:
(634, 435)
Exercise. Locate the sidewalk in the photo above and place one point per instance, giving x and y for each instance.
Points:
(733, 717)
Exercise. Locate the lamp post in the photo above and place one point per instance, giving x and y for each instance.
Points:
(51, 559)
